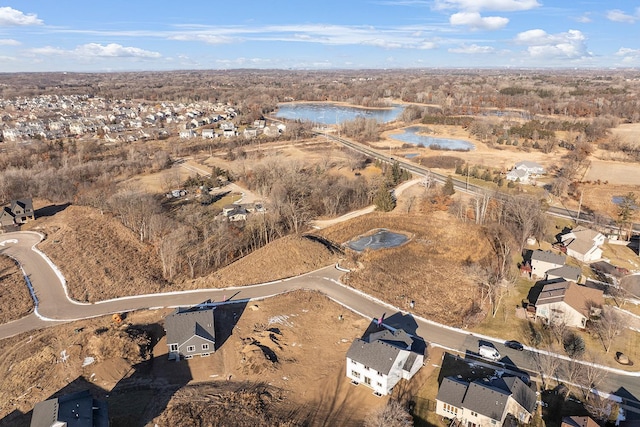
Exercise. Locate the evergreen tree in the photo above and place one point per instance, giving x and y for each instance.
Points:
(448, 189)
(383, 199)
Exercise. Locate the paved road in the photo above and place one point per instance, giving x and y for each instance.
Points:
(53, 306)
(459, 184)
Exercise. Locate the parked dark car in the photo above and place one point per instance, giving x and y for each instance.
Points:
(514, 345)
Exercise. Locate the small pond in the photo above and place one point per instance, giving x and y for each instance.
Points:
(411, 135)
(379, 240)
(326, 113)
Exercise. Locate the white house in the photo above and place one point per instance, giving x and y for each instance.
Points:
(383, 358)
(568, 303)
(486, 403)
(543, 261)
(583, 244)
(208, 134)
(524, 171)
(532, 168)
(187, 134)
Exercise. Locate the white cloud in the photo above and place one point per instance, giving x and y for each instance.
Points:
(477, 22)
(491, 5)
(570, 44)
(409, 37)
(629, 56)
(206, 38)
(10, 17)
(585, 19)
(9, 42)
(96, 50)
(617, 15)
(114, 50)
(472, 49)
(387, 44)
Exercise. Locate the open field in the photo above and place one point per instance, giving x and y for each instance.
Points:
(422, 270)
(290, 349)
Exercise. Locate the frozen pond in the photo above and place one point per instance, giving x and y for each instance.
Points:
(411, 135)
(330, 114)
(379, 240)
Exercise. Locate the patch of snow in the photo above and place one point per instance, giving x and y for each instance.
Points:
(88, 361)
(281, 320)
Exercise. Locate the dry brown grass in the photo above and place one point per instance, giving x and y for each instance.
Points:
(286, 257)
(15, 301)
(430, 269)
(99, 257)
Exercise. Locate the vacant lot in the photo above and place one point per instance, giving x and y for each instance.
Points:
(287, 352)
(430, 269)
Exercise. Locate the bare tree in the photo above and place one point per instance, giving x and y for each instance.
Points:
(608, 327)
(547, 364)
(391, 415)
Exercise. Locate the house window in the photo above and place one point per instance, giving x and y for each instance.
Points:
(355, 374)
(367, 380)
(205, 346)
(204, 354)
(189, 356)
(191, 349)
(380, 374)
(379, 384)
(474, 414)
(366, 368)
(353, 362)
(173, 347)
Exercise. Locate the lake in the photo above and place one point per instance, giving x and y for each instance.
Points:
(330, 114)
(411, 135)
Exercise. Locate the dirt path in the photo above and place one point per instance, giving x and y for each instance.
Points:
(323, 223)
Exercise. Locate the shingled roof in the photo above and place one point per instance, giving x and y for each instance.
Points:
(575, 296)
(185, 323)
(377, 355)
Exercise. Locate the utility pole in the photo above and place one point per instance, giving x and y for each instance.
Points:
(579, 205)
(467, 177)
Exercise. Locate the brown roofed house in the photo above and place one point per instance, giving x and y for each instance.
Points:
(569, 303)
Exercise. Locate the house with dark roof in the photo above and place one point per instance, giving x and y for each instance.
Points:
(382, 359)
(19, 212)
(485, 403)
(190, 332)
(583, 243)
(566, 272)
(72, 410)
(569, 303)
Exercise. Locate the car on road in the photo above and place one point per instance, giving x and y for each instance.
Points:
(514, 345)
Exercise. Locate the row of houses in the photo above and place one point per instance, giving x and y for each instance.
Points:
(52, 117)
(229, 130)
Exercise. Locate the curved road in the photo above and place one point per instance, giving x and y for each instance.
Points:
(53, 306)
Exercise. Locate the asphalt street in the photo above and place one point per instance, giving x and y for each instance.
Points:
(53, 306)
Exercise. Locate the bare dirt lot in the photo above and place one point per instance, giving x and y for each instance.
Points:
(14, 294)
(288, 352)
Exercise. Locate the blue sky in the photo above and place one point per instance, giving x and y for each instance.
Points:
(116, 35)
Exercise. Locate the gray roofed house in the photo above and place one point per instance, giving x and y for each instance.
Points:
(17, 213)
(190, 332)
(485, 402)
(383, 358)
(72, 410)
(543, 261)
(566, 272)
